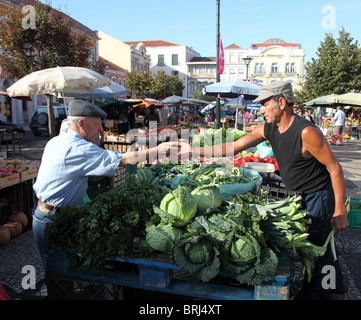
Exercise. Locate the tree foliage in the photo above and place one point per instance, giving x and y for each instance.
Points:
(155, 86)
(336, 70)
(51, 43)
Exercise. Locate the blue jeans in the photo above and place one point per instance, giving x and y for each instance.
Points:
(321, 206)
(40, 222)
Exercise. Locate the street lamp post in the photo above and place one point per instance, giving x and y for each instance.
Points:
(247, 61)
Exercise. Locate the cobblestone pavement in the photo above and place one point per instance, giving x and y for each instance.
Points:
(22, 250)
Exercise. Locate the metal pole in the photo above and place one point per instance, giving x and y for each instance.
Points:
(218, 113)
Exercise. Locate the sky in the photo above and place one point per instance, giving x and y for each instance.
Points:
(194, 22)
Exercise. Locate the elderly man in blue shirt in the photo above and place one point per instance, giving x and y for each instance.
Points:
(69, 159)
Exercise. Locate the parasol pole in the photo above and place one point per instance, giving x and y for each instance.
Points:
(236, 122)
(218, 77)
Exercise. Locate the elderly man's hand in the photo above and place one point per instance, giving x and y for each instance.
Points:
(174, 150)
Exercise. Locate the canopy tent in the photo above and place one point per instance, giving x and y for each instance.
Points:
(349, 99)
(322, 101)
(144, 103)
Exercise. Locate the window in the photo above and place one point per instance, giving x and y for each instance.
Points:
(160, 59)
(274, 68)
(259, 67)
(232, 57)
(174, 73)
(174, 60)
(290, 68)
(293, 69)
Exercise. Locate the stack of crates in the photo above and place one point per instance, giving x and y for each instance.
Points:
(354, 215)
(118, 177)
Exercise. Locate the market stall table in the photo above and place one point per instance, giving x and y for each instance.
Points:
(157, 274)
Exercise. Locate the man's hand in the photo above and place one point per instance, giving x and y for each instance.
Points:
(339, 222)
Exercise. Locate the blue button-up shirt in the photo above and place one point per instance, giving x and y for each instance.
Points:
(68, 160)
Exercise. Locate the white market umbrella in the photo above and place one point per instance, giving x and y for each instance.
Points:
(233, 89)
(179, 100)
(350, 99)
(173, 100)
(57, 80)
(322, 101)
(112, 91)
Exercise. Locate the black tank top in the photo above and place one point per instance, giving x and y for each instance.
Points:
(301, 174)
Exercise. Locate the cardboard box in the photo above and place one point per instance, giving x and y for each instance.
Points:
(31, 173)
(9, 180)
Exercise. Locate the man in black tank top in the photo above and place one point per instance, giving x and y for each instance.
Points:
(306, 164)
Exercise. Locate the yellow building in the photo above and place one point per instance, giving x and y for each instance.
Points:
(131, 56)
(269, 61)
(276, 59)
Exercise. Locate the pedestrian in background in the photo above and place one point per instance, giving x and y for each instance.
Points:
(339, 121)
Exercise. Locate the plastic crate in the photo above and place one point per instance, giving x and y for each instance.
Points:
(354, 218)
(275, 188)
(118, 177)
(355, 204)
(97, 185)
(160, 275)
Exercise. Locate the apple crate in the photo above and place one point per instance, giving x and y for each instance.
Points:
(29, 174)
(9, 180)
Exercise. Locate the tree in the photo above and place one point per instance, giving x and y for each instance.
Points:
(51, 43)
(139, 84)
(336, 70)
(198, 95)
(155, 86)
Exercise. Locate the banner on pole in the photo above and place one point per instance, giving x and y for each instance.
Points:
(221, 56)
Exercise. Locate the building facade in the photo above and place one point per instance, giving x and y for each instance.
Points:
(132, 57)
(274, 59)
(21, 112)
(201, 72)
(169, 57)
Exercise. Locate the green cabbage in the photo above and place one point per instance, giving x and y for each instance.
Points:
(163, 237)
(199, 255)
(178, 207)
(207, 197)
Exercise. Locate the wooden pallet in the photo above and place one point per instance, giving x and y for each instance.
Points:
(161, 275)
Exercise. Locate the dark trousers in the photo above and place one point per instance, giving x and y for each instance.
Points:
(321, 206)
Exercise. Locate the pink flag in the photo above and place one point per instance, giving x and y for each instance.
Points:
(221, 57)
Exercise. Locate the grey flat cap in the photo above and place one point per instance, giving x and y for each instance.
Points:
(276, 88)
(80, 108)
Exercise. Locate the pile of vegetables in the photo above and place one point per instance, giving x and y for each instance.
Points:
(202, 216)
(112, 224)
(18, 221)
(217, 136)
(208, 238)
(252, 157)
